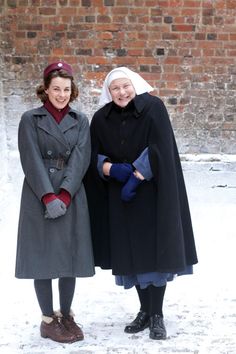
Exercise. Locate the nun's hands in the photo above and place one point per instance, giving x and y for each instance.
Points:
(121, 171)
(128, 192)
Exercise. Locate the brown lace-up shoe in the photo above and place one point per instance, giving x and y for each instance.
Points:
(51, 327)
(72, 327)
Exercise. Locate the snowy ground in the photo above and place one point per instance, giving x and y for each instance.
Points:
(200, 310)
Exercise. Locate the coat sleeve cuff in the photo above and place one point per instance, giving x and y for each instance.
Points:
(49, 197)
(143, 166)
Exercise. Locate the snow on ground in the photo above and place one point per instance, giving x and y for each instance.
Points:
(200, 310)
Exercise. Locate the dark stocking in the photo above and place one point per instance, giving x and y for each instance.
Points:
(66, 292)
(156, 296)
(143, 295)
(43, 289)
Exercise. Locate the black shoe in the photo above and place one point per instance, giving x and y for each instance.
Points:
(139, 323)
(157, 327)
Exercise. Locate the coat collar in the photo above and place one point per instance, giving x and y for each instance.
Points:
(48, 123)
(139, 104)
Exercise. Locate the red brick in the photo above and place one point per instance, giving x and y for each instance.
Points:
(20, 34)
(179, 19)
(135, 52)
(223, 37)
(189, 12)
(120, 10)
(67, 11)
(138, 11)
(142, 60)
(124, 61)
(98, 60)
(230, 4)
(183, 28)
(170, 36)
(172, 77)
(172, 60)
(103, 19)
(232, 53)
(47, 11)
(137, 44)
(58, 51)
(192, 3)
(105, 35)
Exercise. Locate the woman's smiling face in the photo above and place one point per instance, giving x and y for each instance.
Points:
(59, 92)
(122, 91)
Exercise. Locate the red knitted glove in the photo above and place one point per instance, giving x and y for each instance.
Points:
(65, 197)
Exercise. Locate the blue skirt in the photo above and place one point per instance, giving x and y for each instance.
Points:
(146, 279)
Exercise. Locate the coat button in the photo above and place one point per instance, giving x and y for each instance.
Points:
(68, 152)
(52, 170)
(49, 152)
(122, 142)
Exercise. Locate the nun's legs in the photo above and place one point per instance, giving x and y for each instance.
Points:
(156, 298)
(142, 319)
(151, 312)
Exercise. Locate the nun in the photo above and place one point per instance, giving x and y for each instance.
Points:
(140, 217)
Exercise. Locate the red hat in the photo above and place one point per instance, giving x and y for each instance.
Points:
(57, 66)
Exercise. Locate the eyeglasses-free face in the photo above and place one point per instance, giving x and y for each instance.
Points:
(59, 92)
(122, 91)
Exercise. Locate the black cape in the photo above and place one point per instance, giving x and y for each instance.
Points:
(153, 232)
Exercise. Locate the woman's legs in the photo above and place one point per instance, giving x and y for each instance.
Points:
(66, 294)
(51, 326)
(43, 289)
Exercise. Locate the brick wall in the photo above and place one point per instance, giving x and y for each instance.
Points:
(186, 49)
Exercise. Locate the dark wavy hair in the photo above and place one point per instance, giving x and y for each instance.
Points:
(40, 90)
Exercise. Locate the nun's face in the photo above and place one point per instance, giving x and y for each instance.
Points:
(122, 91)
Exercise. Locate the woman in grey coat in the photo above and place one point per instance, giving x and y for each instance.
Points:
(54, 238)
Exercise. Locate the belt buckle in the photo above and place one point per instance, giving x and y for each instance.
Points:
(60, 163)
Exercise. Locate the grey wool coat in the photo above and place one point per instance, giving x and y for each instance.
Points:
(53, 248)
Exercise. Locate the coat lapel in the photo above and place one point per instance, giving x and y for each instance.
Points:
(68, 122)
(49, 125)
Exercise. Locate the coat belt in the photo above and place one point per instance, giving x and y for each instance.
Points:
(56, 163)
